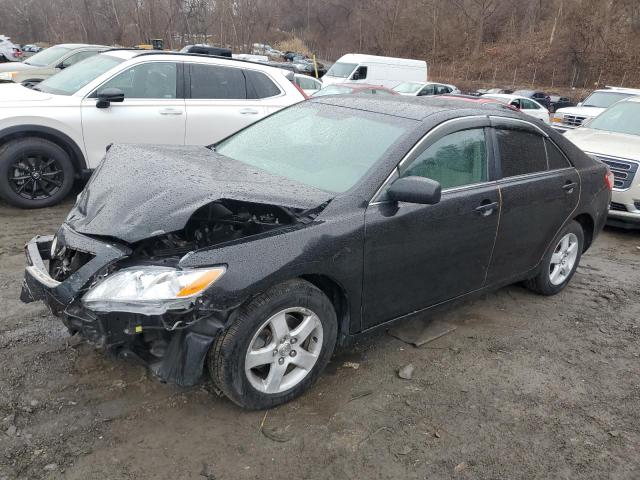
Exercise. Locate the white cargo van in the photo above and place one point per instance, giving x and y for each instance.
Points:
(374, 70)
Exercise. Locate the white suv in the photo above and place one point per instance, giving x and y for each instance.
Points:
(59, 130)
(614, 138)
(572, 117)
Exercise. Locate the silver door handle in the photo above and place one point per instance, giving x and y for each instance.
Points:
(171, 111)
(248, 111)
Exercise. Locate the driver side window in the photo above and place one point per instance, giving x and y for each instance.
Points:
(455, 160)
(147, 80)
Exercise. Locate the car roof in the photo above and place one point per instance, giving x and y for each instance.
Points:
(129, 53)
(413, 108)
(73, 46)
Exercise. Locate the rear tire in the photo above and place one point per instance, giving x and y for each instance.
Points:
(560, 262)
(34, 173)
(287, 333)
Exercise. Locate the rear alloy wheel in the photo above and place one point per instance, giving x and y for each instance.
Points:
(276, 346)
(560, 262)
(34, 173)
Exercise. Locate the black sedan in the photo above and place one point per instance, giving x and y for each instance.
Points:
(259, 257)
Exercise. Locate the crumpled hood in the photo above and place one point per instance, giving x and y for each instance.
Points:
(140, 191)
(603, 142)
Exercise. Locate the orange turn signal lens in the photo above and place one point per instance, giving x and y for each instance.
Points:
(202, 282)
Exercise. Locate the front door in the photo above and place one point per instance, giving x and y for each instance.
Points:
(152, 111)
(539, 188)
(420, 255)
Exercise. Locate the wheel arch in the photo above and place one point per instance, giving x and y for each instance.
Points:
(588, 228)
(55, 136)
(338, 297)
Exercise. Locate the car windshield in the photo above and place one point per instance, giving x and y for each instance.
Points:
(408, 87)
(333, 90)
(326, 147)
(73, 78)
(621, 118)
(47, 57)
(604, 99)
(341, 70)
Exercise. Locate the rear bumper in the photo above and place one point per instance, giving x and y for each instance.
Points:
(174, 345)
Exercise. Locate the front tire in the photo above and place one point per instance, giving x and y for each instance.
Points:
(560, 262)
(34, 173)
(276, 347)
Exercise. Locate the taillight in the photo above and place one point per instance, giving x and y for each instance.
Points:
(304, 94)
(609, 179)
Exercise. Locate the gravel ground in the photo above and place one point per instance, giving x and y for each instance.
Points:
(526, 387)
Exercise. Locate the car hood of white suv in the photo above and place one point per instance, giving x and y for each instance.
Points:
(603, 142)
(16, 93)
(589, 112)
(16, 67)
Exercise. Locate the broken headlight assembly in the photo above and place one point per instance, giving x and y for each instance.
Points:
(150, 290)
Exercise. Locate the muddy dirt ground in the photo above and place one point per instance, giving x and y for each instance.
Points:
(527, 387)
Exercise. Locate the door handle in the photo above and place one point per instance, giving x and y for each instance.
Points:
(248, 111)
(569, 186)
(486, 209)
(171, 111)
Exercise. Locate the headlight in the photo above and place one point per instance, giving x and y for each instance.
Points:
(8, 75)
(556, 118)
(150, 290)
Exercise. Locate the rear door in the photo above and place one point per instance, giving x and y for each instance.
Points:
(419, 255)
(539, 190)
(223, 99)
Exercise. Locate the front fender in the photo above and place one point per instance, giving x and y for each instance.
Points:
(332, 248)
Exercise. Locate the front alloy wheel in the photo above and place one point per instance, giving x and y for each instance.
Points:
(34, 173)
(284, 350)
(36, 176)
(275, 346)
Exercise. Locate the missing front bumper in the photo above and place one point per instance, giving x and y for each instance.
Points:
(185, 337)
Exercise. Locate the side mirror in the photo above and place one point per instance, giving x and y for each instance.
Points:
(355, 76)
(415, 190)
(61, 66)
(108, 95)
(579, 104)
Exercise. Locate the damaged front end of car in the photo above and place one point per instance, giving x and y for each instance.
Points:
(131, 295)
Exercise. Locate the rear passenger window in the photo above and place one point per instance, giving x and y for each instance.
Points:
(556, 158)
(521, 152)
(216, 82)
(455, 160)
(260, 85)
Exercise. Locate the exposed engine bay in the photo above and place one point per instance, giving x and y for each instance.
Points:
(218, 223)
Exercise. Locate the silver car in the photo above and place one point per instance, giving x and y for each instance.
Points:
(48, 62)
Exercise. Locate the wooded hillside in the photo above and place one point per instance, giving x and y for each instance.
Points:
(550, 42)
